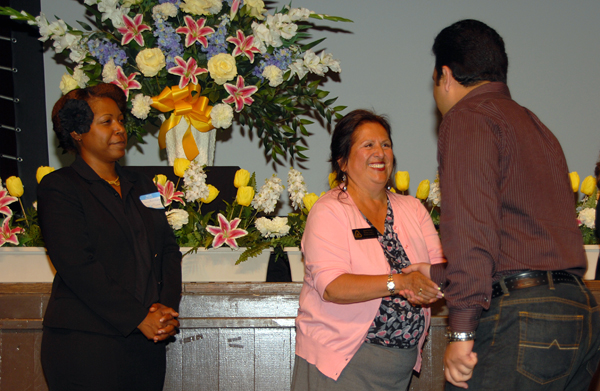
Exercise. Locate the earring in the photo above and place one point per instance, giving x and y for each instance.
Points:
(344, 178)
(389, 187)
(344, 181)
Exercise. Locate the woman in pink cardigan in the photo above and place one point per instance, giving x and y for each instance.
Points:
(360, 324)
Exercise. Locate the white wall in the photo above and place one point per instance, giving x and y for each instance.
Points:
(386, 60)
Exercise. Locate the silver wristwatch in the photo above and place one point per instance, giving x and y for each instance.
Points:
(454, 336)
(391, 286)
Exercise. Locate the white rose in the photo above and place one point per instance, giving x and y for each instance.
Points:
(67, 83)
(129, 3)
(109, 72)
(221, 116)
(202, 7)
(150, 61)
(141, 106)
(274, 75)
(177, 218)
(222, 68)
(256, 8)
(588, 217)
(80, 77)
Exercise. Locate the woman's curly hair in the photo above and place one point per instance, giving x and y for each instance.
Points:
(72, 113)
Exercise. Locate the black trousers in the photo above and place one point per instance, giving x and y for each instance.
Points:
(82, 361)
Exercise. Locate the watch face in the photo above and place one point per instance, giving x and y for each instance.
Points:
(391, 285)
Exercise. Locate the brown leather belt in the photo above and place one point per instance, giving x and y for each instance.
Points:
(533, 278)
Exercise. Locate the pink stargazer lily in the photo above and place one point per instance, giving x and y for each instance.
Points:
(133, 29)
(235, 5)
(195, 31)
(187, 70)
(6, 200)
(240, 94)
(227, 232)
(243, 45)
(169, 194)
(126, 83)
(8, 235)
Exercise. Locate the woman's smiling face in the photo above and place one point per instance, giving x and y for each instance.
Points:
(371, 158)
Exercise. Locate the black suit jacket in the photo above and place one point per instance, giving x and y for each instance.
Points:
(90, 245)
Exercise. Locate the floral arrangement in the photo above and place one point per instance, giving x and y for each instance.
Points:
(244, 222)
(208, 61)
(586, 207)
(428, 193)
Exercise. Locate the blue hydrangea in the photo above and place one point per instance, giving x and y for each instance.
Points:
(281, 58)
(168, 41)
(104, 51)
(217, 41)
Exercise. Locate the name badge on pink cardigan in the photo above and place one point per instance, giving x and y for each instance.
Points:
(364, 233)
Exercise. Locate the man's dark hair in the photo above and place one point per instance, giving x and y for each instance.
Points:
(473, 51)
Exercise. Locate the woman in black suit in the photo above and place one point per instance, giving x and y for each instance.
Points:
(117, 287)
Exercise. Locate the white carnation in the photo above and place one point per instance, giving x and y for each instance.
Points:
(273, 74)
(266, 199)
(272, 228)
(163, 11)
(141, 106)
(194, 180)
(177, 218)
(80, 77)
(109, 72)
(296, 188)
(221, 116)
(588, 217)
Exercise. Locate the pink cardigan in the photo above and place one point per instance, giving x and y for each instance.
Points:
(329, 334)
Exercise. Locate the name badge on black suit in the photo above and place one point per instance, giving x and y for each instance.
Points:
(364, 233)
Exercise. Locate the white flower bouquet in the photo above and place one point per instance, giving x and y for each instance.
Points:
(211, 62)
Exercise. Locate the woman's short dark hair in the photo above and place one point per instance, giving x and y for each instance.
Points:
(341, 140)
(72, 113)
(473, 51)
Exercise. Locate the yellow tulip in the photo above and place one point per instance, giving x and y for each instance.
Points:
(242, 177)
(244, 196)
(587, 186)
(212, 194)
(42, 171)
(392, 190)
(180, 166)
(333, 183)
(402, 180)
(160, 179)
(574, 177)
(423, 189)
(309, 200)
(14, 186)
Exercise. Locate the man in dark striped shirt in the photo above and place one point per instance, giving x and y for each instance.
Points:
(520, 317)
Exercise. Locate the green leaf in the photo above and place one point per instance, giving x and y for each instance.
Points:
(85, 26)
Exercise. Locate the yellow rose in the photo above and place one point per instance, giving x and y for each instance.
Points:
(160, 179)
(244, 196)
(14, 186)
(180, 166)
(242, 177)
(201, 7)
(574, 177)
(256, 8)
(587, 186)
(333, 183)
(212, 194)
(67, 83)
(222, 68)
(150, 61)
(309, 200)
(402, 180)
(42, 171)
(423, 189)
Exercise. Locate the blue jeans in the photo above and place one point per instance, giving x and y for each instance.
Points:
(540, 338)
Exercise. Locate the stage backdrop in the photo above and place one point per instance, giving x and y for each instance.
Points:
(386, 62)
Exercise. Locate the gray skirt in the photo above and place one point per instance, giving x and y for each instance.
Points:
(373, 367)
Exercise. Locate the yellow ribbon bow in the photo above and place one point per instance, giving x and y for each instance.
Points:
(194, 108)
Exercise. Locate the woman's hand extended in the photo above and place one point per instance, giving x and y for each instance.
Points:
(160, 322)
(416, 286)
